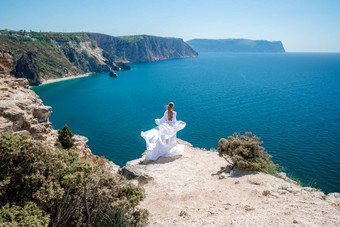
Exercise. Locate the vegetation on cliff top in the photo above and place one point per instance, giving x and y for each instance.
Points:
(247, 153)
(130, 38)
(134, 38)
(42, 187)
(50, 60)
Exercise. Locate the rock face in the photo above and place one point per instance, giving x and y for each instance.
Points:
(143, 48)
(6, 63)
(27, 67)
(236, 45)
(196, 190)
(122, 66)
(21, 109)
(113, 74)
(55, 55)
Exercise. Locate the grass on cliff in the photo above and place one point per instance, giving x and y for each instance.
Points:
(130, 38)
(246, 152)
(51, 60)
(40, 186)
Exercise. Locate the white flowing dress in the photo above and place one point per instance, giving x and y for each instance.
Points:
(161, 140)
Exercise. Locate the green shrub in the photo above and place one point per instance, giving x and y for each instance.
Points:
(69, 189)
(27, 215)
(65, 137)
(246, 153)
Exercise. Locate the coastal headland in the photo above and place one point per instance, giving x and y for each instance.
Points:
(41, 56)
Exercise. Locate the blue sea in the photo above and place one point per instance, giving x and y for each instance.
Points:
(290, 100)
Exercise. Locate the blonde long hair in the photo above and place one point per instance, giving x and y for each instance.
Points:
(170, 108)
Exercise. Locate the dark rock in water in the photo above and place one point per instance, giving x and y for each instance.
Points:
(27, 67)
(113, 74)
(123, 66)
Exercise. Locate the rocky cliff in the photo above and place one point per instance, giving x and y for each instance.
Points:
(40, 56)
(236, 45)
(197, 190)
(6, 63)
(143, 48)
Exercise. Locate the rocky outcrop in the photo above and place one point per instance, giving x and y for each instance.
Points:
(113, 74)
(21, 108)
(236, 45)
(22, 111)
(195, 189)
(6, 63)
(143, 48)
(85, 55)
(27, 67)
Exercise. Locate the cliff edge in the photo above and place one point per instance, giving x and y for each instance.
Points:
(194, 190)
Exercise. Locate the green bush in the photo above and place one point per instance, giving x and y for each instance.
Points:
(65, 137)
(27, 215)
(246, 153)
(68, 188)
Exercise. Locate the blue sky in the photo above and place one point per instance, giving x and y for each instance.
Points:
(302, 26)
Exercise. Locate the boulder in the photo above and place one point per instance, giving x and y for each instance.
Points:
(42, 113)
(135, 172)
(123, 66)
(113, 74)
(334, 198)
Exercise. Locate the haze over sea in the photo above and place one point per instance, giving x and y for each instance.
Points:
(290, 100)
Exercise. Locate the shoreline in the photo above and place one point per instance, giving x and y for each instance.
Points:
(50, 81)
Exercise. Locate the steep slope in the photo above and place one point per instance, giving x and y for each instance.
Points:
(236, 45)
(143, 48)
(41, 56)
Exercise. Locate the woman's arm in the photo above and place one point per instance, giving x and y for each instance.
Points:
(162, 120)
(175, 118)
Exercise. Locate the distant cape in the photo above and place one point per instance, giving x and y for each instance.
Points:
(236, 45)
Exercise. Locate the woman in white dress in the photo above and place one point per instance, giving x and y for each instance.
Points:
(161, 140)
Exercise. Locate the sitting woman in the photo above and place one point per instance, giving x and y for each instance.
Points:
(161, 140)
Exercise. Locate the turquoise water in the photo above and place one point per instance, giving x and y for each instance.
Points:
(291, 100)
